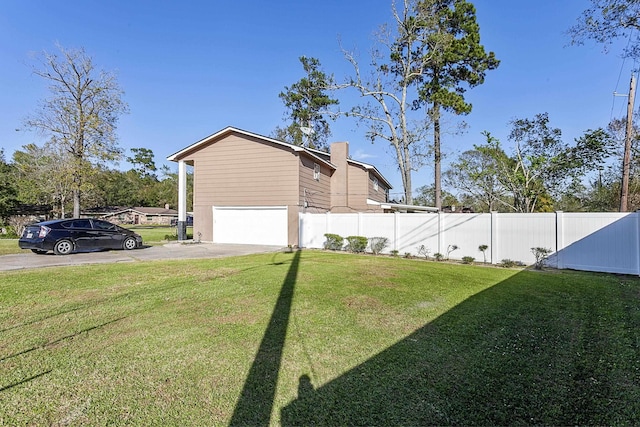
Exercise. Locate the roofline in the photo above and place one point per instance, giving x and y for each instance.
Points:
(230, 129)
(362, 164)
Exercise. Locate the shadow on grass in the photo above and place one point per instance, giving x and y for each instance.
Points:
(256, 400)
(61, 339)
(521, 352)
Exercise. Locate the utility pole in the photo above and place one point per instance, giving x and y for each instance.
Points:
(628, 136)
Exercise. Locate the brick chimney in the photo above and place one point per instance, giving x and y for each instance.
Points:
(340, 178)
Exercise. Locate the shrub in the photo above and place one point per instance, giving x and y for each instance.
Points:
(438, 256)
(407, 255)
(334, 242)
(509, 263)
(395, 253)
(483, 249)
(451, 248)
(8, 233)
(378, 244)
(170, 237)
(541, 255)
(467, 259)
(357, 243)
(424, 251)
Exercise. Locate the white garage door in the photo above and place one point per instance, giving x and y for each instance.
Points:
(257, 225)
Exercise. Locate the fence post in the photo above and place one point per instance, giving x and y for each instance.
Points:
(637, 233)
(327, 227)
(559, 239)
(396, 230)
(494, 237)
(440, 231)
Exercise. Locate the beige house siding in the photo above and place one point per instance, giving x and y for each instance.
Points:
(238, 170)
(358, 188)
(379, 195)
(316, 193)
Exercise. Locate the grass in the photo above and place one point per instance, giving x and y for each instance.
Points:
(317, 338)
(9, 246)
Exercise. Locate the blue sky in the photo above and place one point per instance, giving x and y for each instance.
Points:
(191, 68)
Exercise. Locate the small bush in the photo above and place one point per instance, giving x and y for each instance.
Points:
(334, 242)
(407, 255)
(438, 256)
(451, 248)
(170, 237)
(8, 233)
(467, 259)
(424, 251)
(508, 263)
(378, 244)
(483, 249)
(357, 243)
(395, 253)
(541, 255)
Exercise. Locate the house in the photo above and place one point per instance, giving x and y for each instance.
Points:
(249, 188)
(133, 215)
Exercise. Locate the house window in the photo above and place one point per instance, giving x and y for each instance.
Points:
(316, 172)
(375, 183)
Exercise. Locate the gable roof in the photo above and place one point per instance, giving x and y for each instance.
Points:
(230, 129)
(361, 164)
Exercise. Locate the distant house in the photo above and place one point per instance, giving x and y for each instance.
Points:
(248, 188)
(133, 215)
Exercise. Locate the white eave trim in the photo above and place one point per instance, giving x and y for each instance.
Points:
(404, 208)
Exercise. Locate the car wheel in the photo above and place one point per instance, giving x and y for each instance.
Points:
(129, 243)
(38, 251)
(63, 247)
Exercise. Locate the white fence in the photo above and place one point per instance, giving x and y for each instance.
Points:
(607, 242)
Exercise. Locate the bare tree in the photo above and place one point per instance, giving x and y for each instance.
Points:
(81, 114)
(399, 61)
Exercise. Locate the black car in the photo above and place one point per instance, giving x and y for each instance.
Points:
(64, 236)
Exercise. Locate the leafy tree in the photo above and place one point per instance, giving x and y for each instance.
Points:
(43, 176)
(542, 168)
(476, 173)
(8, 192)
(81, 115)
(398, 62)
(452, 67)
(607, 20)
(425, 194)
(307, 104)
(143, 163)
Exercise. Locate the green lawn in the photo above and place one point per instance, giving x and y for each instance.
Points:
(9, 246)
(317, 338)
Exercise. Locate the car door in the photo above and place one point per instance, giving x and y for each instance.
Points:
(81, 233)
(108, 236)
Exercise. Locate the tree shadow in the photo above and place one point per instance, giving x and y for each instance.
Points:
(255, 403)
(505, 356)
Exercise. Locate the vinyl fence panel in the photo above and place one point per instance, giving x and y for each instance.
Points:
(607, 242)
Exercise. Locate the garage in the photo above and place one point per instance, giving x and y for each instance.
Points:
(254, 225)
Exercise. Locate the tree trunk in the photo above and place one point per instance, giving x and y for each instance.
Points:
(437, 197)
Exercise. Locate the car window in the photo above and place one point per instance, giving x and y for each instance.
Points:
(101, 225)
(78, 223)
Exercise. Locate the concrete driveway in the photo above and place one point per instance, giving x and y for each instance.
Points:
(28, 260)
